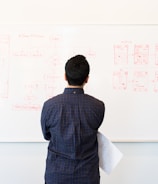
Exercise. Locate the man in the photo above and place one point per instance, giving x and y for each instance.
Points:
(70, 122)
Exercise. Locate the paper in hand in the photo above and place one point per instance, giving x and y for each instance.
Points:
(109, 154)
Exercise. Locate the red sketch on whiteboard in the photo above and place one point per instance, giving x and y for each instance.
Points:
(120, 54)
(55, 41)
(51, 84)
(28, 52)
(29, 45)
(156, 82)
(26, 107)
(29, 96)
(140, 81)
(120, 80)
(141, 54)
(53, 62)
(4, 65)
(50, 90)
(91, 53)
(55, 38)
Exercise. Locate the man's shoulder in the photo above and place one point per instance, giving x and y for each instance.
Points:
(53, 100)
(94, 100)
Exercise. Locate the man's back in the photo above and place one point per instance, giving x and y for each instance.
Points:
(71, 121)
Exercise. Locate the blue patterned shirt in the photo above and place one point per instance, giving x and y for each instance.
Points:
(70, 122)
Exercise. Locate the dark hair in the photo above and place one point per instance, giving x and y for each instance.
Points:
(77, 70)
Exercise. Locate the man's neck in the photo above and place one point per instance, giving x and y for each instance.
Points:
(71, 86)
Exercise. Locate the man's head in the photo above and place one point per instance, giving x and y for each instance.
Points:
(77, 70)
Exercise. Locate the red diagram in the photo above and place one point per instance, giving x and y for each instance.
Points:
(120, 54)
(141, 54)
(140, 81)
(120, 80)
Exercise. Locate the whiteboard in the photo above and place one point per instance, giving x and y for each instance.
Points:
(124, 74)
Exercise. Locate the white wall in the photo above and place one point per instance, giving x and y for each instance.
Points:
(79, 11)
(24, 163)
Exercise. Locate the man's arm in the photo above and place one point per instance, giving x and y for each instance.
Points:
(44, 122)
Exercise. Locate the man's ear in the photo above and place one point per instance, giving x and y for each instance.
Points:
(86, 79)
(65, 77)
